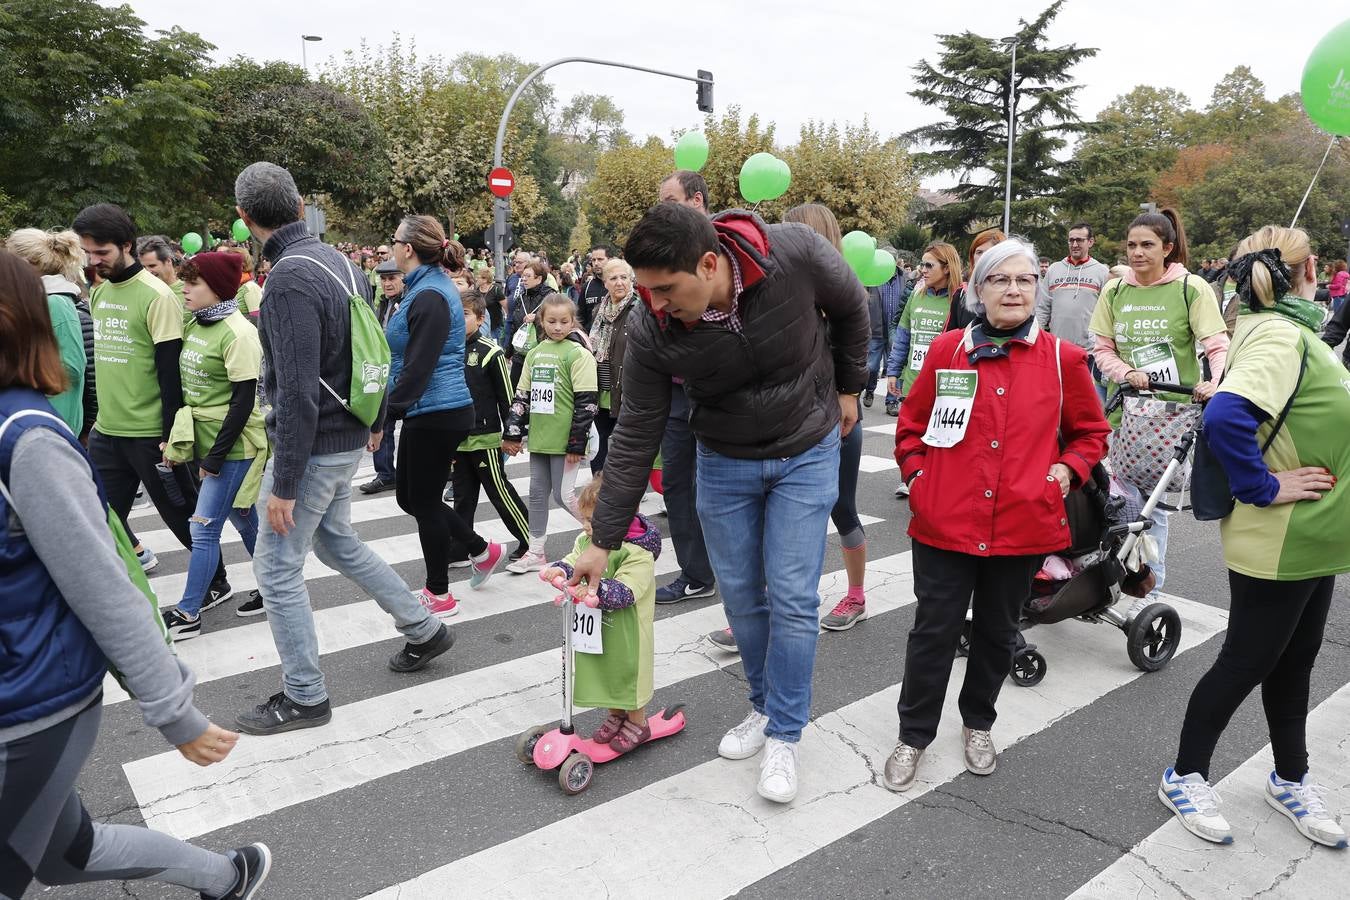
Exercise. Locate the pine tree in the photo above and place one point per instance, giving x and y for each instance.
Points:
(969, 83)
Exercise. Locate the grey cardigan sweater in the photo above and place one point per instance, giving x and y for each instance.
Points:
(305, 326)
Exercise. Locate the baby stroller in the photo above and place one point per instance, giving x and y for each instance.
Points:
(1087, 579)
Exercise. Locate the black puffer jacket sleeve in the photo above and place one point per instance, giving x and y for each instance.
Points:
(637, 436)
(843, 300)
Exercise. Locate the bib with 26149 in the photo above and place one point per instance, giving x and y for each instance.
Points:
(952, 405)
(542, 400)
(918, 348)
(1156, 361)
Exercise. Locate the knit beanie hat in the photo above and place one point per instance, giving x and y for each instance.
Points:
(222, 272)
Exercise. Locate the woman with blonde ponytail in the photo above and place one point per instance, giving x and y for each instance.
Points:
(1277, 424)
(58, 258)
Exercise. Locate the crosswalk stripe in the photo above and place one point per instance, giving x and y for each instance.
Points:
(396, 731)
(712, 826)
(1268, 856)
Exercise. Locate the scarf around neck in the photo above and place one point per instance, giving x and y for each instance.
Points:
(216, 311)
(1304, 312)
(604, 334)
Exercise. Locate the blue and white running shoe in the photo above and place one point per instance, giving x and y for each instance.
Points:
(1302, 802)
(1196, 804)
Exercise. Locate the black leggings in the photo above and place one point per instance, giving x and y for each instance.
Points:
(845, 512)
(605, 420)
(425, 451)
(1274, 633)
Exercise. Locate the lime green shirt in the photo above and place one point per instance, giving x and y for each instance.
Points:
(69, 404)
(554, 371)
(1156, 328)
(130, 318)
(925, 317)
(622, 676)
(249, 297)
(213, 357)
(1306, 539)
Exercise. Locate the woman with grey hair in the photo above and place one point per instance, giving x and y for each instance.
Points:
(1001, 423)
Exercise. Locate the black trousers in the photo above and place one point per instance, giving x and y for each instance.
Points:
(424, 456)
(1274, 632)
(605, 420)
(476, 469)
(125, 462)
(946, 584)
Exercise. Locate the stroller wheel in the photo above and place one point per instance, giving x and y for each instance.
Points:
(1028, 668)
(1153, 637)
(963, 642)
(575, 774)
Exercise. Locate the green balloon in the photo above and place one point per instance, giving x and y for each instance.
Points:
(691, 151)
(779, 177)
(192, 242)
(1326, 81)
(858, 248)
(879, 270)
(239, 231)
(757, 177)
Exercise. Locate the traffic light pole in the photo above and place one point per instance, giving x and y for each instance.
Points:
(501, 208)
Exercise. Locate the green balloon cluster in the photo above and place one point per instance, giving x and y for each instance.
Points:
(1326, 81)
(191, 243)
(691, 151)
(764, 177)
(872, 265)
(239, 231)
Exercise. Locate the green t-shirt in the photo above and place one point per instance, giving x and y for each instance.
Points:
(1307, 539)
(1156, 328)
(214, 356)
(177, 288)
(925, 317)
(130, 318)
(249, 297)
(69, 404)
(553, 373)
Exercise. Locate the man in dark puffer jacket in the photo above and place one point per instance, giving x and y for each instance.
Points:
(768, 328)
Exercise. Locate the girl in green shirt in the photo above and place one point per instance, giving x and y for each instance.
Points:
(556, 398)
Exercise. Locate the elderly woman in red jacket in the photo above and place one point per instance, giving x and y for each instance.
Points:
(1002, 422)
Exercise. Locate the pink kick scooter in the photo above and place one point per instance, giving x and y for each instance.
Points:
(561, 748)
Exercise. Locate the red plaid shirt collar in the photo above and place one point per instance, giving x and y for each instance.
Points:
(732, 319)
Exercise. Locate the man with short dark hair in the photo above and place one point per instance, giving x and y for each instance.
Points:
(306, 331)
(768, 329)
(595, 291)
(686, 187)
(138, 337)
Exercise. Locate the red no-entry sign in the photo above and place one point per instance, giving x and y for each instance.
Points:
(501, 182)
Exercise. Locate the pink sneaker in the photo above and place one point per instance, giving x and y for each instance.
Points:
(482, 571)
(845, 614)
(445, 607)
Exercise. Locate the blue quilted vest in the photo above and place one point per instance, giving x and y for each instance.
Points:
(447, 388)
(48, 659)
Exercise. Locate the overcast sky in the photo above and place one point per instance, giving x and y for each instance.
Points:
(789, 61)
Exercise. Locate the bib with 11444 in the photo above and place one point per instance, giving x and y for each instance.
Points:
(955, 397)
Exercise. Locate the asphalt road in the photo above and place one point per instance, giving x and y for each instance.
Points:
(414, 790)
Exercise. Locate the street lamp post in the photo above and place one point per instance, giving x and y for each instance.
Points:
(500, 206)
(1012, 124)
(305, 39)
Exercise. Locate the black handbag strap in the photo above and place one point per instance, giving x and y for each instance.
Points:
(1288, 404)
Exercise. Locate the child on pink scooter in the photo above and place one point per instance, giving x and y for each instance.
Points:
(620, 678)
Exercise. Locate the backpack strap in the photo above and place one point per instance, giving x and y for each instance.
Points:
(350, 286)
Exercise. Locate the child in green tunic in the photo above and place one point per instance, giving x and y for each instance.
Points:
(620, 678)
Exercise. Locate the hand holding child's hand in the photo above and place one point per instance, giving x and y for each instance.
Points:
(511, 447)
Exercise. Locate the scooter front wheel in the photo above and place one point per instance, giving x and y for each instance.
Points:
(525, 743)
(575, 774)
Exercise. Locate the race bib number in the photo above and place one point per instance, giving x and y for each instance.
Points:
(951, 407)
(521, 337)
(1156, 361)
(542, 400)
(918, 349)
(586, 636)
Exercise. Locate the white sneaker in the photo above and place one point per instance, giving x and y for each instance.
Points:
(530, 562)
(1196, 805)
(746, 739)
(1304, 805)
(778, 771)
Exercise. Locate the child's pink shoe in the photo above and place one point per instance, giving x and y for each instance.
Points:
(445, 607)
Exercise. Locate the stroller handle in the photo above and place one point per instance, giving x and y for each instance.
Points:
(1126, 388)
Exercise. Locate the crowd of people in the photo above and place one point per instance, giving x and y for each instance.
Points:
(721, 360)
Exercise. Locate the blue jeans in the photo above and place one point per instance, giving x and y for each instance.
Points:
(765, 520)
(323, 519)
(215, 504)
(876, 355)
(384, 457)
